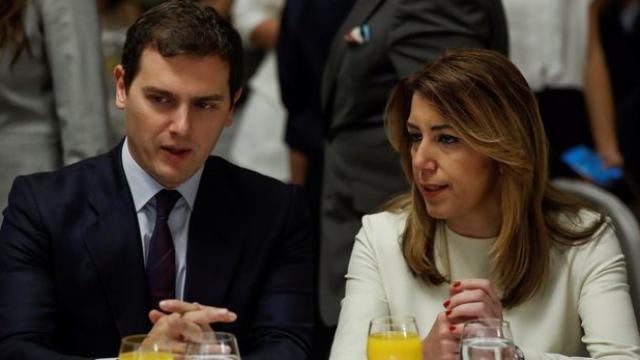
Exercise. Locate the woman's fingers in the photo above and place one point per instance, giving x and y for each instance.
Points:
(472, 299)
(442, 342)
(474, 310)
(474, 284)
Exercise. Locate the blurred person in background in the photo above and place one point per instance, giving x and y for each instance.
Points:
(556, 44)
(380, 42)
(52, 96)
(115, 17)
(307, 28)
(620, 33)
(258, 143)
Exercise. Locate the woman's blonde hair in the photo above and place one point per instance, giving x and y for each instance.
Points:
(488, 102)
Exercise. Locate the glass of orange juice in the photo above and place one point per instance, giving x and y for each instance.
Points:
(142, 347)
(394, 338)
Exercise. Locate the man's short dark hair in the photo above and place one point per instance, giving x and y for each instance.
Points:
(178, 27)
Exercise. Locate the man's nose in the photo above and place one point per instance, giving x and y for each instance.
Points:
(180, 122)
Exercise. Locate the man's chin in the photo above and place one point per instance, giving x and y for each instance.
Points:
(173, 177)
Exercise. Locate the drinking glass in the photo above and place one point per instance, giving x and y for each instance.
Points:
(487, 339)
(214, 346)
(142, 347)
(394, 338)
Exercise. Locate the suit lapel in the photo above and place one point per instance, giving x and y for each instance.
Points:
(116, 248)
(217, 232)
(360, 12)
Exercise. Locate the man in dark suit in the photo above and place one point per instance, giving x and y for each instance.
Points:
(88, 252)
(380, 42)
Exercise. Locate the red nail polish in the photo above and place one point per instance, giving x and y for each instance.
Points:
(446, 303)
(448, 312)
(456, 284)
(452, 328)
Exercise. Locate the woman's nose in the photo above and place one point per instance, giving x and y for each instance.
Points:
(424, 159)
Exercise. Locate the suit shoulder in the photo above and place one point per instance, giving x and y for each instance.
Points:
(64, 177)
(392, 219)
(384, 228)
(243, 179)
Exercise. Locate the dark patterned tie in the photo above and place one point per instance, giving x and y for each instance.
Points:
(161, 262)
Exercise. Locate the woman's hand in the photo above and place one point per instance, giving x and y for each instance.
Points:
(472, 299)
(468, 300)
(443, 341)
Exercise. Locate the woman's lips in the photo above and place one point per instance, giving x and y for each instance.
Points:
(431, 191)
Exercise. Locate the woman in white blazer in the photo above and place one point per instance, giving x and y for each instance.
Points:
(482, 234)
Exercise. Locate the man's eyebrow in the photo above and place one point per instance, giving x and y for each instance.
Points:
(214, 98)
(156, 90)
(153, 89)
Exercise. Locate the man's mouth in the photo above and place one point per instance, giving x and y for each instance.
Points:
(176, 151)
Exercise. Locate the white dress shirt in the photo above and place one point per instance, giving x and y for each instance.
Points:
(143, 189)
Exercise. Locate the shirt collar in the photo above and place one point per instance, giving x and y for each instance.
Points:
(143, 187)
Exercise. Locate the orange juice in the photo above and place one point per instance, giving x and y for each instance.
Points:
(145, 356)
(394, 345)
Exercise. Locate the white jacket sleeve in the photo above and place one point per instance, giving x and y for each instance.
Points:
(605, 308)
(364, 300)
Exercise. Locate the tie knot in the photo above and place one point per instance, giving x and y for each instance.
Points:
(165, 200)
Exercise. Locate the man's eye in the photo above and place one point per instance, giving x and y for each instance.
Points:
(206, 106)
(159, 99)
(448, 139)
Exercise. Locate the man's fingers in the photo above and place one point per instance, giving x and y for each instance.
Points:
(178, 306)
(181, 329)
(198, 313)
(155, 315)
(208, 315)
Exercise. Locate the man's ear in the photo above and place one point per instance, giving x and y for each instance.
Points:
(121, 90)
(234, 102)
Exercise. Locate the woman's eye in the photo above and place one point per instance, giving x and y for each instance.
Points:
(415, 137)
(448, 139)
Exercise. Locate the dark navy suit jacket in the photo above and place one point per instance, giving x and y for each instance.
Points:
(306, 31)
(72, 278)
